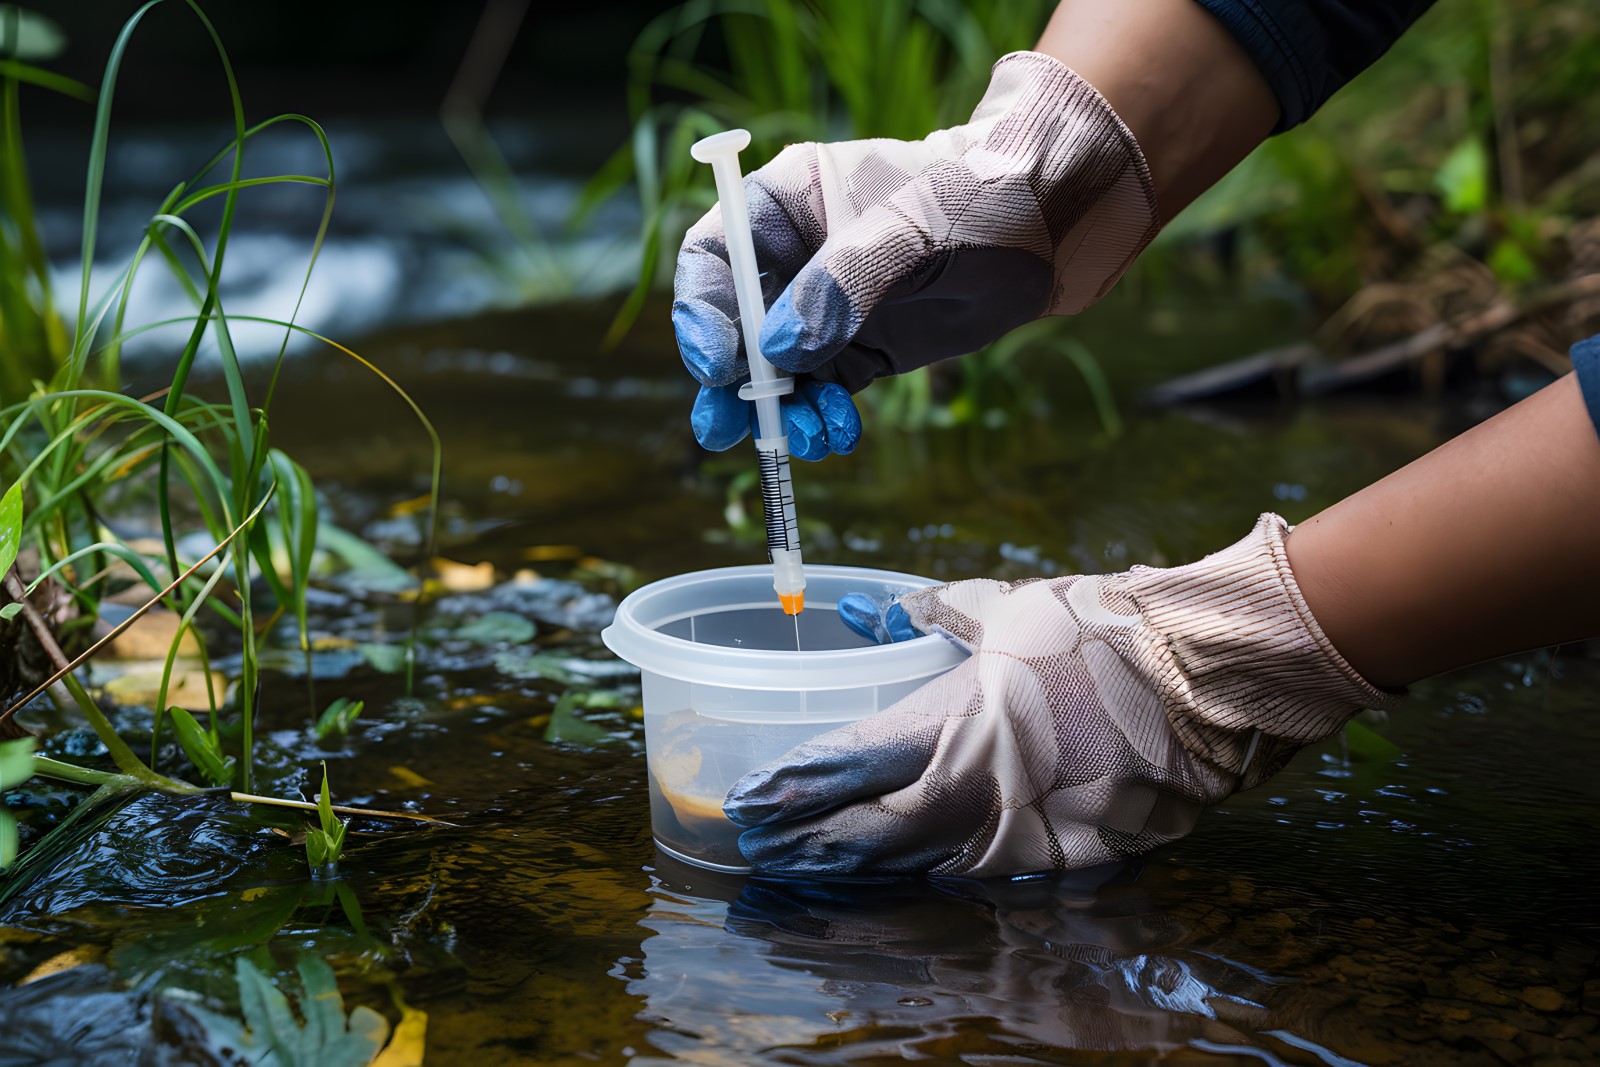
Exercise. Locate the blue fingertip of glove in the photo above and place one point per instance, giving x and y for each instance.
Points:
(708, 341)
(719, 418)
(840, 419)
(859, 612)
(876, 620)
(808, 439)
(799, 341)
(897, 621)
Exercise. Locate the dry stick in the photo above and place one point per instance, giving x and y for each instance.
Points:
(1295, 360)
(1495, 317)
(251, 798)
(9, 730)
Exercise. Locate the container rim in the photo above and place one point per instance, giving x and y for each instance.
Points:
(634, 636)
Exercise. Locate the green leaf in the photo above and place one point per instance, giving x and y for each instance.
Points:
(1367, 745)
(16, 767)
(10, 527)
(568, 729)
(266, 1011)
(10, 611)
(390, 659)
(271, 1034)
(1511, 265)
(16, 762)
(337, 718)
(29, 35)
(328, 1038)
(367, 568)
(317, 851)
(496, 627)
(201, 748)
(1463, 178)
(8, 839)
(325, 803)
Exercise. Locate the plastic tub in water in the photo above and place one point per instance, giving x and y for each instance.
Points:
(725, 691)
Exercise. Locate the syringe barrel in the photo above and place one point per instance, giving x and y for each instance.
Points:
(777, 499)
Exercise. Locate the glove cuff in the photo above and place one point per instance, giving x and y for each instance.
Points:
(1244, 654)
(1096, 196)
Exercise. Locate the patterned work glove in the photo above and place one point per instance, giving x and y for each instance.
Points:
(880, 256)
(1096, 718)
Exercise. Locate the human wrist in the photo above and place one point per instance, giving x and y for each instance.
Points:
(1190, 95)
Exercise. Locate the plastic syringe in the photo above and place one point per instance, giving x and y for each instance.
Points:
(766, 384)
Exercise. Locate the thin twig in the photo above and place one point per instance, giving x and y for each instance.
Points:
(1293, 369)
(9, 730)
(371, 813)
(40, 628)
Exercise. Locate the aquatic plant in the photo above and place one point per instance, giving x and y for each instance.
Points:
(270, 1033)
(72, 447)
(337, 718)
(325, 843)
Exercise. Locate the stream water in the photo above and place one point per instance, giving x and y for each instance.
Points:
(1433, 904)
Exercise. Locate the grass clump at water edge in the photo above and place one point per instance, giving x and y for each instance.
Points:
(72, 445)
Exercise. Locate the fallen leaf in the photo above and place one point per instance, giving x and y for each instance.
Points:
(406, 1047)
(63, 961)
(410, 777)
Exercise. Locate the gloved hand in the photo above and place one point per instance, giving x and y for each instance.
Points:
(1095, 719)
(881, 256)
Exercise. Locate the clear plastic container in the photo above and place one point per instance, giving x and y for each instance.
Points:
(725, 691)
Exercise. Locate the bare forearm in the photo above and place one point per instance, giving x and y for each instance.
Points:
(1488, 545)
(1193, 99)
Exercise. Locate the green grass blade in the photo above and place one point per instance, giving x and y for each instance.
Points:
(97, 162)
(10, 526)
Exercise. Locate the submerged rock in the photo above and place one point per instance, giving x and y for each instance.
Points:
(553, 601)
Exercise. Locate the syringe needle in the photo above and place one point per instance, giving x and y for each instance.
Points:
(766, 384)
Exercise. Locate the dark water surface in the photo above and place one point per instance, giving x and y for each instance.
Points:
(1433, 905)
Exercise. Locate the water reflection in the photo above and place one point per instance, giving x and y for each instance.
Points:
(742, 969)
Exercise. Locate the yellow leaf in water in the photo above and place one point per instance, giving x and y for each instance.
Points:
(543, 553)
(186, 688)
(257, 892)
(63, 961)
(410, 777)
(462, 577)
(411, 507)
(326, 643)
(151, 636)
(410, 1039)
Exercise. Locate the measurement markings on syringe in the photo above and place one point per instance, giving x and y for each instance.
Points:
(777, 502)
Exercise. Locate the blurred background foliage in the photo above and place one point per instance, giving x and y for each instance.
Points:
(1459, 171)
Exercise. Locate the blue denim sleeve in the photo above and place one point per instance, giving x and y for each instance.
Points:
(1308, 49)
(1586, 361)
